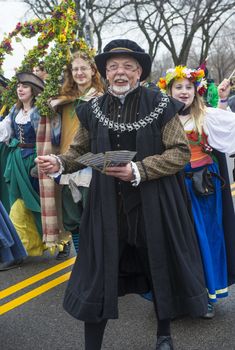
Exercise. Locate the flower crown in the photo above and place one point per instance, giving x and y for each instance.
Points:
(81, 46)
(196, 76)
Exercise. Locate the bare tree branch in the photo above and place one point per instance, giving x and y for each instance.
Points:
(41, 8)
(176, 25)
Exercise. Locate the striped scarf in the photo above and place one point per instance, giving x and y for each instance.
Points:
(47, 186)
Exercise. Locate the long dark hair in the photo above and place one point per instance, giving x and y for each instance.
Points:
(35, 91)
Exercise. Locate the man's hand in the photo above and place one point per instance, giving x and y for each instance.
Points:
(124, 173)
(47, 164)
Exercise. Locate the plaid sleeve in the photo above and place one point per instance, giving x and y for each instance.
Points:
(173, 159)
(79, 146)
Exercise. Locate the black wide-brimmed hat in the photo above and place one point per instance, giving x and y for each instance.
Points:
(124, 47)
(31, 79)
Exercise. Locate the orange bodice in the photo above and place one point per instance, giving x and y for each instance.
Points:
(200, 150)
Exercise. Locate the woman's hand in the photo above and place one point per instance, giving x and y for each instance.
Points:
(124, 173)
(224, 89)
(47, 164)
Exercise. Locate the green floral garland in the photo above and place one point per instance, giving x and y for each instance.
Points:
(60, 30)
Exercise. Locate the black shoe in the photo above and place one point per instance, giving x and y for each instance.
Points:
(210, 312)
(11, 265)
(65, 252)
(164, 342)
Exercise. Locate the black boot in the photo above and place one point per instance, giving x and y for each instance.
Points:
(164, 342)
(210, 312)
(64, 254)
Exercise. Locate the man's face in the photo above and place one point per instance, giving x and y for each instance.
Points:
(82, 73)
(39, 72)
(123, 73)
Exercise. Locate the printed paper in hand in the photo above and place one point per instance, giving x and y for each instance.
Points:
(100, 161)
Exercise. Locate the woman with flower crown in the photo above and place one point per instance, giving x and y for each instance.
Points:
(81, 83)
(207, 129)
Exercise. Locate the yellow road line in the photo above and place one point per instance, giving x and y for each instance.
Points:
(25, 283)
(33, 293)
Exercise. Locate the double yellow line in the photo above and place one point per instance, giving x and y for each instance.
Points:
(36, 291)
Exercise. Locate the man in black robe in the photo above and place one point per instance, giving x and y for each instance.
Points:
(136, 232)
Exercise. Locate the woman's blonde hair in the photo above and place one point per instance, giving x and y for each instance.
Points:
(197, 112)
(197, 108)
(70, 87)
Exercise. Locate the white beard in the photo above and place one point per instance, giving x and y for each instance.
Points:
(120, 90)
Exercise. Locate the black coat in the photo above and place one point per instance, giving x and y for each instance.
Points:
(174, 258)
(228, 217)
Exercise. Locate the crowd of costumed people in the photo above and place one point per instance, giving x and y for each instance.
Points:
(157, 219)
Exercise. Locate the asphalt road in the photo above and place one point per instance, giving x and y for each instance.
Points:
(41, 323)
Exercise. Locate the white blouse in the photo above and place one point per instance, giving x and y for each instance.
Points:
(5, 129)
(22, 118)
(6, 126)
(219, 125)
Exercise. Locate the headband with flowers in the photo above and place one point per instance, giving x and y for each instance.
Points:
(196, 76)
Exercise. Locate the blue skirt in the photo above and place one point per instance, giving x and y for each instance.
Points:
(11, 247)
(207, 214)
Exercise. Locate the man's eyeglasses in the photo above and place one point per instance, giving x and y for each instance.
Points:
(82, 69)
(126, 67)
